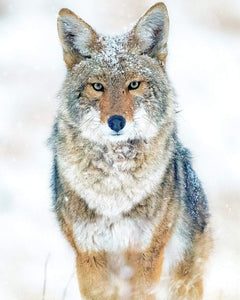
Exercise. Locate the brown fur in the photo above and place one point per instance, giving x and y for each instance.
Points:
(72, 57)
(106, 189)
(123, 105)
(187, 278)
(148, 264)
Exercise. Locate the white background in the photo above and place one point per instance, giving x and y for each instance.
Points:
(204, 67)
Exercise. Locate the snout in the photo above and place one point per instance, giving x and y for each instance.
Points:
(116, 123)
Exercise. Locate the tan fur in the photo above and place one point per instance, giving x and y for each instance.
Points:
(71, 57)
(148, 264)
(129, 204)
(123, 105)
(93, 276)
(161, 55)
(118, 101)
(187, 279)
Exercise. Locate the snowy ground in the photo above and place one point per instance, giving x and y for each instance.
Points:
(204, 66)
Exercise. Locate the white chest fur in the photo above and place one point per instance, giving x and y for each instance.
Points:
(112, 189)
(113, 235)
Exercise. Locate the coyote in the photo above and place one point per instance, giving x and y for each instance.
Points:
(124, 191)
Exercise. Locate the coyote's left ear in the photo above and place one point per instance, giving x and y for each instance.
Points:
(151, 32)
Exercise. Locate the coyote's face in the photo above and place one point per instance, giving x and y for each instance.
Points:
(116, 87)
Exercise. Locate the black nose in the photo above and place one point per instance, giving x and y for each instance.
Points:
(116, 123)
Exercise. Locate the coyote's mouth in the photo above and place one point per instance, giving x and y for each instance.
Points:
(116, 134)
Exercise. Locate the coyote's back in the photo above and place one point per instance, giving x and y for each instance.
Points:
(125, 194)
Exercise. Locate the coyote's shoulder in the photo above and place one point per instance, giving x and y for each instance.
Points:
(125, 193)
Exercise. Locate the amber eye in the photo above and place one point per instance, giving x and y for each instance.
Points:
(98, 87)
(134, 85)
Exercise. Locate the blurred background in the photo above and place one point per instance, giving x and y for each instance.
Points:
(204, 67)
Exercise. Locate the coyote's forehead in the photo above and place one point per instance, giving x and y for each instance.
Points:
(115, 56)
(113, 51)
(112, 61)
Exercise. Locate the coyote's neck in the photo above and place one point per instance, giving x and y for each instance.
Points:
(112, 179)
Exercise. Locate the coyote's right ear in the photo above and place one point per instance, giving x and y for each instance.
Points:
(76, 36)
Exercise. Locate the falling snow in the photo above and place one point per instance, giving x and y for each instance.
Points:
(204, 67)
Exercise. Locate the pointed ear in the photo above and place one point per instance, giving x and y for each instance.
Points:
(76, 36)
(151, 32)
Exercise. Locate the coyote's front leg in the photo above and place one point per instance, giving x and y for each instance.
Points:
(187, 278)
(97, 280)
(147, 269)
(94, 278)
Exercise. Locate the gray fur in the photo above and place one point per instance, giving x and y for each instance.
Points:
(83, 165)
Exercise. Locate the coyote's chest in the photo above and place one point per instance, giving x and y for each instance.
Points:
(112, 184)
(113, 235)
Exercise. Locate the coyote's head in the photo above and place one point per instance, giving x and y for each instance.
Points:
(116, 88)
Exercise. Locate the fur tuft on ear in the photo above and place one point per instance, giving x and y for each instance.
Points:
(151, 32)
(76, 36)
